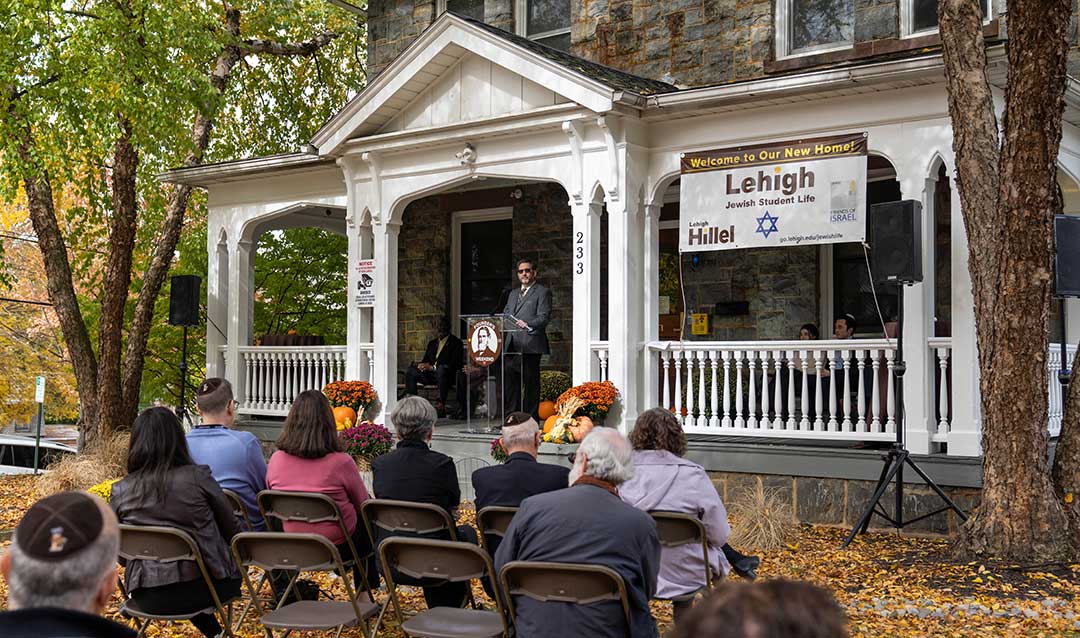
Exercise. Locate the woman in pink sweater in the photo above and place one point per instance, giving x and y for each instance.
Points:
(309, 459)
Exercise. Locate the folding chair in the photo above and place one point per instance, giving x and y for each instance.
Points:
(494, 520)
(404, 518)
(239, 509)
(450, 562)
(311, 507)
(676, 529)
(168, 545)
(564, 583)
(298, 553)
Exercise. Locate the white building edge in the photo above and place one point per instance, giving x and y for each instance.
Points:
(615, 151)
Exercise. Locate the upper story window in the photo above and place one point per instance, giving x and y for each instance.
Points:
(546, 21)
(921, 16)
(470, 8)
(813, 26)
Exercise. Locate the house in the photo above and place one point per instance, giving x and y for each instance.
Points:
(553, 130)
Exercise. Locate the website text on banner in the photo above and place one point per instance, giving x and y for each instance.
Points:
(778, 194)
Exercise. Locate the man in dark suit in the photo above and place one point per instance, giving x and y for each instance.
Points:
(442, 360)
(588, 523)
(520, 476)
(530, 307)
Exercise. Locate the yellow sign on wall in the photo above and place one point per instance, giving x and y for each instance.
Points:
(699, 324)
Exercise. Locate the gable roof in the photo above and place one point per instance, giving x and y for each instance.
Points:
(444, 43)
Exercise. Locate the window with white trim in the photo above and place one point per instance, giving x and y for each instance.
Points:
(918, 17)
(813, 26)
(545, 21)
(469, 8)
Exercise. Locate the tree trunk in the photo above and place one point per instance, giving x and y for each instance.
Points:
(1008, 218)
(1066, 472)
(122, 226)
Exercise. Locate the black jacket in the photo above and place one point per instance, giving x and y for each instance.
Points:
(520, 477)
(53, 622)
(195, 504)
(414, 472)
(453, 353)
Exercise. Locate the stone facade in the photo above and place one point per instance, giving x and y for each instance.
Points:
(392, 27)
(840, 502)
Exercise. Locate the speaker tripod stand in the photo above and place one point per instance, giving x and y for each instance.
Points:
(898, 456)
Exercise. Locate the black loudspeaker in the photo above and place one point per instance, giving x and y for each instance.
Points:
(184, 300)
(896, 242)
(1066, 256)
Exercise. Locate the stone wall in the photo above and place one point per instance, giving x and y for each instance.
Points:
(840, 502)
(781, 285)
(392, 27)
(423, 276)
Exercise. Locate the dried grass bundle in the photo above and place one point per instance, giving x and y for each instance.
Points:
(107, 459)
(764, 520)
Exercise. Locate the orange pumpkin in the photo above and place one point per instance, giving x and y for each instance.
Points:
(546, 409)
(549, 423)
(344, 413)
(583, 427)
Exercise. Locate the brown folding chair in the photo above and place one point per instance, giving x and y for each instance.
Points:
(239, 509)
(494, 520)
(168, 545)
(563, 582)
(676, 529)
(312, 507)
(449, 562)
(300, 553)
(404, 518)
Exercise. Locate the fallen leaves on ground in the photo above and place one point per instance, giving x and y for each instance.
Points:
(889, 585)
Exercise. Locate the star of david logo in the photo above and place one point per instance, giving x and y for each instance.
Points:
(770, 228)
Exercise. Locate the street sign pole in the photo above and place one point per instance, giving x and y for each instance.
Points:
(39, 397)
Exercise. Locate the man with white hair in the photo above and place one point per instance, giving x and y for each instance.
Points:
(588, 523)
(61, 570)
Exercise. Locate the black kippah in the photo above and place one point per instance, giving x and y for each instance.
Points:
(517, 418)
(58, 526)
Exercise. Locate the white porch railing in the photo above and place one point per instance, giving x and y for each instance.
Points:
(941, 347)
(783, 389)
(367, 360)
(600, 352)
(274, 375)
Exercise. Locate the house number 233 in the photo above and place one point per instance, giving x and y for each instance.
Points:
(579, 253)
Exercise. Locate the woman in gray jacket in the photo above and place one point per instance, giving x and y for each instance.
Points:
(164, 487)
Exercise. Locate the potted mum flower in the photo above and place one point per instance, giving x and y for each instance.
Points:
(365, 441)
(356, 395)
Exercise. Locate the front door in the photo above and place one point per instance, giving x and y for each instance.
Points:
(486, 265)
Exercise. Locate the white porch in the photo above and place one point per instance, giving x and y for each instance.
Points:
(463, 104)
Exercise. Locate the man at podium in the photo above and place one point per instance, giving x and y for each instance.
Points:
(529, 308)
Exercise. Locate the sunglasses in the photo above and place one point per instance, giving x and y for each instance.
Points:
(521, 270)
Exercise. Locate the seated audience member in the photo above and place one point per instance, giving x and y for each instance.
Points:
(588, 523)
(664, 480)
(61, 570)
(414, 472)
(520, 476)
(787, 608)
(165, 487)
(235, 457)
(309, 459)
(440, 365)
(809, 332)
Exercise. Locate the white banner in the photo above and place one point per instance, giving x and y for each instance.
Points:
(779, 194)
(365, 287)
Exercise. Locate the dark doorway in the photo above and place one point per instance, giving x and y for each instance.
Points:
(486, 264)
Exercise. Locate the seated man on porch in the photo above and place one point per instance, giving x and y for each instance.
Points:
(441, 363)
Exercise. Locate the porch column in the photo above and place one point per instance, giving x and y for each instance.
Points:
(650, 305)
(385, 315)
(217, 302)
(624, 306)
(965, 433)
(586, 309)
(918, 324)
(357, 360)
(238, 332)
